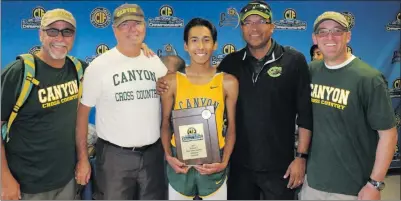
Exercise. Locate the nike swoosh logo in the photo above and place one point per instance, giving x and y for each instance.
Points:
(213, 87)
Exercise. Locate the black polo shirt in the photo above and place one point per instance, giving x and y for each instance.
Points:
(268, 105)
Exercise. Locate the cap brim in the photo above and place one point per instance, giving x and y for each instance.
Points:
(255, 12)
(128, 17)
(324, 19)
(49, 22)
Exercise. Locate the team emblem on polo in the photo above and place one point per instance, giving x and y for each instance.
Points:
(274, 71)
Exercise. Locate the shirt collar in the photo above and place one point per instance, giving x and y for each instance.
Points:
(248, 54)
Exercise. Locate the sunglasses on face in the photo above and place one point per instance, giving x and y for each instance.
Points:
(53, 32)
(334, 32)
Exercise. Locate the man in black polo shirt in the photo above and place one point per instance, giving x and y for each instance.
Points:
(274, 95)
(274, 88)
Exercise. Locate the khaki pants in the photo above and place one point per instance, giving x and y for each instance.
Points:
(308, 193)
(65, 193)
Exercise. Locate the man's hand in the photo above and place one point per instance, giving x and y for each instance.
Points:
(207, 169)
(178, 166)
(296, 171)
(83, 172)
(146, 51)
(161, 86)
(10, 188)
(369, 192)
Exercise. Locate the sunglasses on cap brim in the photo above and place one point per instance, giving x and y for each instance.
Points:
(257, 6)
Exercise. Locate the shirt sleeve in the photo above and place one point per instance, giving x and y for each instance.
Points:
(11, 79)
(163, 69)
(92, 85)
(304, 104)
(224, 65)
(378, 106)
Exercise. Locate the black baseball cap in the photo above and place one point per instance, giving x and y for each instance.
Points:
(260, 8)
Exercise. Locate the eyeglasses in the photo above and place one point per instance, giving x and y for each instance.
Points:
(334, 32)
(53, 32)
(259, 22)
(128, 24)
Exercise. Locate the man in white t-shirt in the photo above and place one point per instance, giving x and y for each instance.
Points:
(121, 83)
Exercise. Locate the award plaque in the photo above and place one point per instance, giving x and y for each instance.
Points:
(195, 133)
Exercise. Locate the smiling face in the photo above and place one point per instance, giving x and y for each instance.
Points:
(130, 32)
(200, 45)
(257, 31)
(57, 47)
(332, 40)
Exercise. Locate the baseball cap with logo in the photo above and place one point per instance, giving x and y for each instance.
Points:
(260, 8)
(128, 12)
(331, 15)
(55, 15)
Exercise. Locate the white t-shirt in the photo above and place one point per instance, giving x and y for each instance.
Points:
(123, 89)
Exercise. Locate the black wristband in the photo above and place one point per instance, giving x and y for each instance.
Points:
(379, 185)
(301, 155)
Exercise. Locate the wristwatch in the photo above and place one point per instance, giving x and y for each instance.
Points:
(301, 155)
(379, 185)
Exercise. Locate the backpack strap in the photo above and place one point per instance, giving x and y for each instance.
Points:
(80, 74)
(26, 87)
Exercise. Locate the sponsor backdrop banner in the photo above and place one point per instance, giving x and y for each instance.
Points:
(375, 28)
